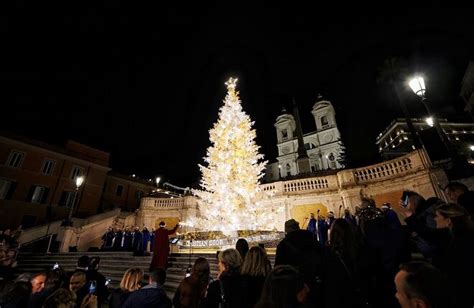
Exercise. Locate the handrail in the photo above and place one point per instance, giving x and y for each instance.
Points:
(35, 240)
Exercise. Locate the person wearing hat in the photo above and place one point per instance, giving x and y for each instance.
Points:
(161, 247)
(301, 250)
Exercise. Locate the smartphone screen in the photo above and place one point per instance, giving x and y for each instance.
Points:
(404, 199)
(92, 287)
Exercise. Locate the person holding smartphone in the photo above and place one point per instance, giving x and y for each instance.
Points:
(420, 222)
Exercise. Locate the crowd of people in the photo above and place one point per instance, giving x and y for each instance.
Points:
(129, 239)
(369, 259)
(9, 247)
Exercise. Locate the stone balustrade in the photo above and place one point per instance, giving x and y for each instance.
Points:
(396, 168)
(310, 184)
(390, 169)
(162, 203)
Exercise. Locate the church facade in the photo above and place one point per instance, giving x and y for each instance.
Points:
(323, 145)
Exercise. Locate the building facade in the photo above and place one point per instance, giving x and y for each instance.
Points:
(323, 145)
(37, 181)
(396, 140)
(125, 192)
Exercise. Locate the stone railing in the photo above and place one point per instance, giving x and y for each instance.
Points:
(162, 203)
(389, 169)
(268, 187)
(301, 185)
(309, 184)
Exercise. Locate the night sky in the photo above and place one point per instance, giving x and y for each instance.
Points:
(146, 83)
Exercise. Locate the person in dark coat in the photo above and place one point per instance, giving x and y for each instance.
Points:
(228, 290)
(455, 258)
(255, 270)
(146, 239)
(387, 247)
(107, 239)
(345, 284)
(93, 274)
(55, 279)
(118, 237)
(162, 247)
(391, 217)
(242, 247)
(302, 251)
(284, 287)
(127, 241)
(152, 240)
(419, 220)
(151, 295)
(137, 242)
(349, 218)
(312, 225)
(322, 231)
(192, 290)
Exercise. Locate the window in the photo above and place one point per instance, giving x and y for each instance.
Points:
(6, 189)
(15, 159)
(48, 167)
(38, 194)
(76, 172)
(67, 198)
(284, 134)
(324, 121)
(309, 146)
(119, 190)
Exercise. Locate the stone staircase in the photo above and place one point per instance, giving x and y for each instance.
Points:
(114, 264)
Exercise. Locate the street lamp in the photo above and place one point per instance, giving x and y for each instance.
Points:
(429, 121)
(79, 182)
(157, 180)
(417, 84)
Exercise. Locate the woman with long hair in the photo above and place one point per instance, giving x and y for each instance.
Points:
(344, 268)
(131, 282)
(283, 288)
(255, 269)
(192, 290)
(456, 253)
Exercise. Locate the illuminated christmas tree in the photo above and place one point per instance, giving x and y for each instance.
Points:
(230, 198)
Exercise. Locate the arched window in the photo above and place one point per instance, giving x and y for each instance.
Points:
(324, 121)
(284, 134)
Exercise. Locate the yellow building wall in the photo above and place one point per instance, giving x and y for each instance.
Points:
(301, 213)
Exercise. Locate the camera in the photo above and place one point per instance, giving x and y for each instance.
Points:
(55, 266)
(107, 281)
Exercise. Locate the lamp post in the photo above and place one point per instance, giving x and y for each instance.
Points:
(157, 180)
(79, 182)
(417, 84)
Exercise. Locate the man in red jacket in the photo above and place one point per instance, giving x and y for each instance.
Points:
(162, 246)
